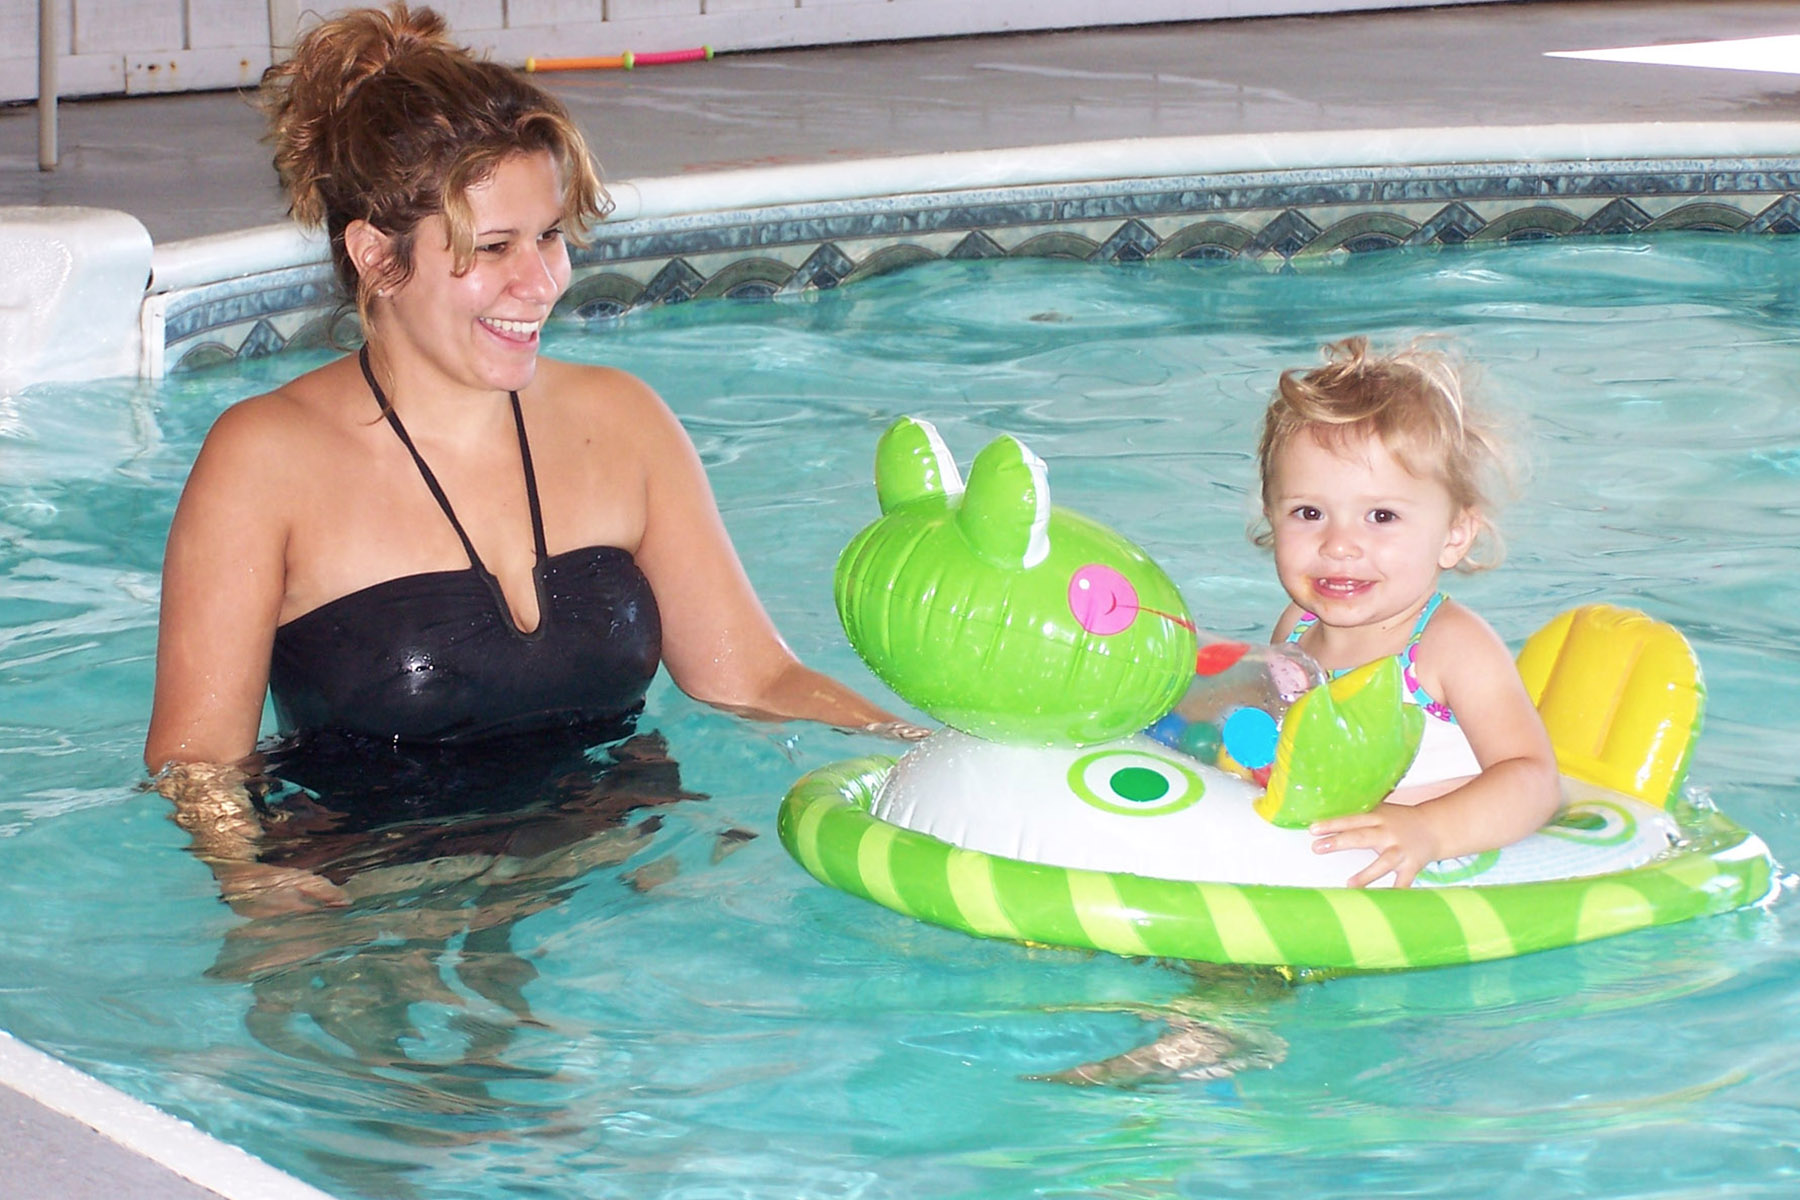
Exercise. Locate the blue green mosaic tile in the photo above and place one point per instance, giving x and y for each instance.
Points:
(1284, 216)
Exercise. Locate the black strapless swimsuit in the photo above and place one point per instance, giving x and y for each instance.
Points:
(437, 658)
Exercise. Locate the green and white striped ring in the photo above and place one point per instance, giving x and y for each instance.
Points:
(825, 823)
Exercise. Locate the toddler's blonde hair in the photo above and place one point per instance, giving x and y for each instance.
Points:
(1412, 400)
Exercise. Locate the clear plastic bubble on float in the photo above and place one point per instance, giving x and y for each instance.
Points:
(1231, 714)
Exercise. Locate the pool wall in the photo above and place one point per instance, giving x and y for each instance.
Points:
(760, 233)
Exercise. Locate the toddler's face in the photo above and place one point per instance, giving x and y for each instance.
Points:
(1359, 539)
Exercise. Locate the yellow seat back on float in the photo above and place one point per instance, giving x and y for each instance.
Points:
(1622, 697)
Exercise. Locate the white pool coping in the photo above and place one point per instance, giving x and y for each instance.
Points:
(147, 1131)
(197, 261)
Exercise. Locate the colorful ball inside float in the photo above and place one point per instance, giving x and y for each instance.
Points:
(1230, 715)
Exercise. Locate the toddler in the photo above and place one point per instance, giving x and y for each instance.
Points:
(1376, 477)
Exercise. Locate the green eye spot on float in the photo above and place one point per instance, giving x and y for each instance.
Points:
(1140, 784)
(1133, 783)
(1593, 822)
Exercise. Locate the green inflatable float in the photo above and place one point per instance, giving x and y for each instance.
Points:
(1046, 642)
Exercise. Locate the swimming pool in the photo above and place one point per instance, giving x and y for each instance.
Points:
(680, 1011)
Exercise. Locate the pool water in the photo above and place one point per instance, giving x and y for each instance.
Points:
(673, 1008)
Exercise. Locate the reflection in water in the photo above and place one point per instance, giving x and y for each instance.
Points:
(1219, 1027)
(414, 985)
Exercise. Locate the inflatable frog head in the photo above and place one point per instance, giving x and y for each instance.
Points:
(1000, 615)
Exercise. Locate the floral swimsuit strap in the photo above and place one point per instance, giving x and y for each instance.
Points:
(1409, 657)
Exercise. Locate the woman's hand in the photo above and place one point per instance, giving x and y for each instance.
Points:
(255, 889)
(212, 802)
(899, 730)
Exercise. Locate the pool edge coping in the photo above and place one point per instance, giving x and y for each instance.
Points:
(800, 227)
(191, 262)
(144, 1130)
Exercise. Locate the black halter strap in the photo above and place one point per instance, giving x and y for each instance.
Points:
(437, 492)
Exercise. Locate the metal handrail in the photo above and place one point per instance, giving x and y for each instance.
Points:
(46, 97)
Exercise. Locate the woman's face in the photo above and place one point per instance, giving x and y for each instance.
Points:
(479, 330)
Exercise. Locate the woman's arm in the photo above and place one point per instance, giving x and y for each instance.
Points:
(223, 581)
(718, 642)
(1517, 791)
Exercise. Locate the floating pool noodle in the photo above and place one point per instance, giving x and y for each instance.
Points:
(630, 60)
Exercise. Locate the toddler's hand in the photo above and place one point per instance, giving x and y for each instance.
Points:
(1400, 835)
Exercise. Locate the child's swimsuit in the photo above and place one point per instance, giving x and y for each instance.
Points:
(435, 657)
(1444, 750)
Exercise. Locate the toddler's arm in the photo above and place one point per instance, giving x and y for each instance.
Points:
(1518, 787)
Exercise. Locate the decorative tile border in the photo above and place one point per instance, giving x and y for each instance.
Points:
(248, 317)
(1282, 217)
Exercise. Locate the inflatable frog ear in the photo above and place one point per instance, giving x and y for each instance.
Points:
(1005, 515)
(911, 461)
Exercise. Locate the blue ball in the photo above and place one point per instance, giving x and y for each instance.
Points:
(1168, 730)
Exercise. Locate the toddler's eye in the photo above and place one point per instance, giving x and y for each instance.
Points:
(1382, 516)
(1307, 512)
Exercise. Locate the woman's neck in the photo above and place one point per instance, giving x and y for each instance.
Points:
(432, 406)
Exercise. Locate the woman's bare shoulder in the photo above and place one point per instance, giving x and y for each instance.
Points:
(603, 397)
(560, 377)
(289, 428)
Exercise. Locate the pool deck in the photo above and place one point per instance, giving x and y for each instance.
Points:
(191, 165)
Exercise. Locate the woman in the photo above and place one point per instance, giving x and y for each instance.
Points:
(444, 537)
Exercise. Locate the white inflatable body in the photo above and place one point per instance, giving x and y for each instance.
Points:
(1136, 807)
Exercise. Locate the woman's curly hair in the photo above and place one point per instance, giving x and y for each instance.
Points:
(378, 117)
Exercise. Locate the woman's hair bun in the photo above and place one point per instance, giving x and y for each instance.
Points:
(304, 94)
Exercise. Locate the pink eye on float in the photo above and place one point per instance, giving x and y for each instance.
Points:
(1103, 601)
